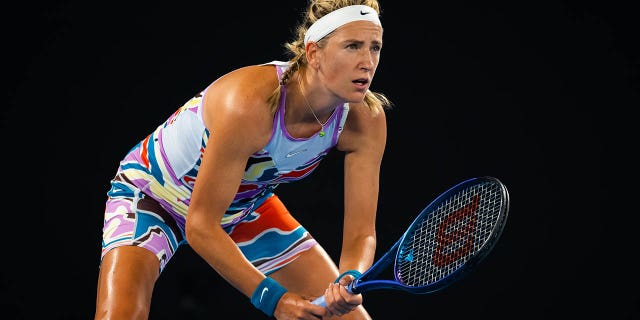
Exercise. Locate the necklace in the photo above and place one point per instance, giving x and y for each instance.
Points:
(304, 95)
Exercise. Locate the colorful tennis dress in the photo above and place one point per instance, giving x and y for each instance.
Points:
(149, 196)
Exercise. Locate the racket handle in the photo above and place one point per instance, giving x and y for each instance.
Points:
(320, 301)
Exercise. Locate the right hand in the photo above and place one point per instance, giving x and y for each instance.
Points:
(339, 300)
(295, 307)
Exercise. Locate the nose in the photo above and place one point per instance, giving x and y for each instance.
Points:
(366, 61)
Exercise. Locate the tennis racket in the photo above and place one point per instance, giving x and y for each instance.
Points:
(446, 241)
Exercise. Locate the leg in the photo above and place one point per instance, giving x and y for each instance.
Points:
(139, 238)
(125, 284)
(310, 274)
(292, 257)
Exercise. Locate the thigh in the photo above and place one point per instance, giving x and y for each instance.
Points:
(125, 283)
(270, 237)
(132, 218)
(139, 238)
(311, 274)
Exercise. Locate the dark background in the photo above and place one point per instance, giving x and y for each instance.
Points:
(539, 94)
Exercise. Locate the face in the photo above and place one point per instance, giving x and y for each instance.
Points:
(348, 60)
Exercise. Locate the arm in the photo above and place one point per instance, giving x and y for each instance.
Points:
(363, 142)
(364, 145)
(221, 171)
(232, 104)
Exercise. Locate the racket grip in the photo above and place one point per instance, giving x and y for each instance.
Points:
(320, 301)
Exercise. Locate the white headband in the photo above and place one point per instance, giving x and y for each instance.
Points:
(335, 19)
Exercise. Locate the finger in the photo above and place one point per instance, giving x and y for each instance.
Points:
(346, 280)
(349, 297)
(339, 305)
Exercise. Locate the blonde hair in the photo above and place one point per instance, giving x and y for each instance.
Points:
(296, 48)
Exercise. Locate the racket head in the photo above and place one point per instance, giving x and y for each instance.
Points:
(451, 235)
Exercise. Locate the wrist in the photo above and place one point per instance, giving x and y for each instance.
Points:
(354, 273)
(266, 296)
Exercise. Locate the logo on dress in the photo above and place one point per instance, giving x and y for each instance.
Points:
(294, 153)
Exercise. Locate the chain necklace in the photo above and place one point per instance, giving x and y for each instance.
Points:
(304, 95)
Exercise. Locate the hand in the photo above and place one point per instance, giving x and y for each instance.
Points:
(294, 306)
(339, 300)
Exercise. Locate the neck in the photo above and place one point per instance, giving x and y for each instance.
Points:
(321, 109)
(321, 123)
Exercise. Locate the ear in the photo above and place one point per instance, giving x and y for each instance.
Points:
(313, 54)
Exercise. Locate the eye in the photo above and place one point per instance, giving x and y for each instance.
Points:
(354, 46)
(376, 48)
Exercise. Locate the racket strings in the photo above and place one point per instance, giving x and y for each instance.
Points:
(447, 237)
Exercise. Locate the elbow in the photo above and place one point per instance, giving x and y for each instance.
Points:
(193, 231)
(189, 231)
(200, 230)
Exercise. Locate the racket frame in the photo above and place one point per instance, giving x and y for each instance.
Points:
(362, 284)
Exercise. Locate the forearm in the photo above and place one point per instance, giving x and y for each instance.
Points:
(360, 209)
(358, 252)
(216, 247)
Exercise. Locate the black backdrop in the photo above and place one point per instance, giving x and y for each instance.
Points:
(538, 94)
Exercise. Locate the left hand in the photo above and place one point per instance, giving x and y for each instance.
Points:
(339, 300)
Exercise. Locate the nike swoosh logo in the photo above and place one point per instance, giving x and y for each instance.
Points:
(263, 292)
(363, 13)
(293, 153)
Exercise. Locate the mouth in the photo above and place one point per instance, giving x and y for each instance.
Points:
(361, 83)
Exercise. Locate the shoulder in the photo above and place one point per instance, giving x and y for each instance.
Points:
(361, 118)
(245, 83)
(363, 128)
(243, 90)
(239, 98)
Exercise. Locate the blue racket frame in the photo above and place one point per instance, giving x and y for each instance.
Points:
(367, 281)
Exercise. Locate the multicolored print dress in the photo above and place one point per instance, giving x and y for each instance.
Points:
(149, 196)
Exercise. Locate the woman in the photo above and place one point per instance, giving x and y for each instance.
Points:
(206, 176)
